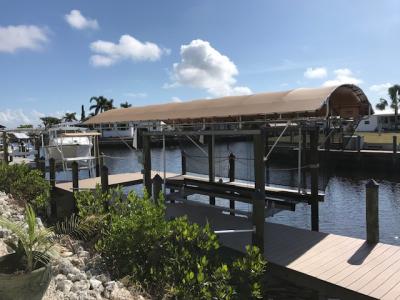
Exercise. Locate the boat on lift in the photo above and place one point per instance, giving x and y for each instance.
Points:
(67, 143)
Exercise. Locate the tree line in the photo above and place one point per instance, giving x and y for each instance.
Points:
(98, 105)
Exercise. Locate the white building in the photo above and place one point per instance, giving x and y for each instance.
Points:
(378, 123)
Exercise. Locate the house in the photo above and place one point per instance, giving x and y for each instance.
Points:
(377, 123)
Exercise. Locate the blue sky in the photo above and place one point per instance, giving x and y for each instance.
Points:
(55, 55)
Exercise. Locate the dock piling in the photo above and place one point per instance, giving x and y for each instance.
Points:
(5, 148)
(157, 188)
(52, 172)
(372, 211)
(75, 176)
(42, 166)
(147, 163)
(395, 144)
(104, 179)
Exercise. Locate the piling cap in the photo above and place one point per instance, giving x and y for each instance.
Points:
(372, 183)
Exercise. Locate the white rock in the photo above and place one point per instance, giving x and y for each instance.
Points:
(60, 277)
(96, 285)
(82, 285)
(120, 294)
(64, 286)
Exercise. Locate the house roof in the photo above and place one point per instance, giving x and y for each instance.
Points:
(344, 100)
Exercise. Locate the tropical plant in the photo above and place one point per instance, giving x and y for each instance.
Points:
(101, 104)
(25, 185)
(394, 95)
(69, 117)
(173, 258)
(49, 121)
(34, 244)
(125, 105)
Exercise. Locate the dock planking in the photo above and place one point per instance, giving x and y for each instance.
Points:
(340, 266)
(122, 179)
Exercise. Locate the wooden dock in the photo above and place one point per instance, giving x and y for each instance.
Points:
(122, 179)
(336, 266)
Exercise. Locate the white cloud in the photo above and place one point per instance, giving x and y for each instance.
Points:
(380, 88)
(13, 38)
(343, 76)
(203, 67)
(14, 117)
(176, 99)
(136, 95)
(315, 73)
(76, 20)
(128, 47)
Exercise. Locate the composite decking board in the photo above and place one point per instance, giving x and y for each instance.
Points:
(317, 256)
(360, 277)
(353, 265)
(326, 262)
(362, 283)
(385, 281)
(350, 268)
(341, 264)
(113, 180)
(347, 268)
(380, 276)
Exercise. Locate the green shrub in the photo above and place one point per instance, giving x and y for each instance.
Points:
(173, 258)
(25, 184)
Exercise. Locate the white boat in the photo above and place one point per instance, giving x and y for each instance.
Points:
(70, 143)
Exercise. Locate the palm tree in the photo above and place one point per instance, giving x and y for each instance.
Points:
(69, 117)
(83, 115)
(109, 105)
(125, 104)
(394, 94)
(101, 104)
(48, 121)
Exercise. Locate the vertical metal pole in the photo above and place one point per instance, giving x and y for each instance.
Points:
(211, 164)
(259, 195)
(164, 165)
(299, 164)
(372, 211)
(231, 179)
(314, 179)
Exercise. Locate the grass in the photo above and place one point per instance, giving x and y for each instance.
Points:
(379, 138)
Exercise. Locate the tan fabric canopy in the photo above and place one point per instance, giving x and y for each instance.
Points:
(344, 99)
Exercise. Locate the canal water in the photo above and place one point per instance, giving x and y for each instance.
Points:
(342, 212)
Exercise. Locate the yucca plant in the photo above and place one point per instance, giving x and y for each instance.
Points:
(34, 245)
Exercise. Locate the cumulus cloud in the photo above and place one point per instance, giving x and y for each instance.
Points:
(76, 20)
(380, 88)
(14, 117)
(203, 67)
(315, 73)
(128, 48)
(343, 76)
(176, 99)
(13, 38)
(136, 95)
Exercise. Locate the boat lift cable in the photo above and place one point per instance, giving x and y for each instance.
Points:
(197, 145)
(276, 141)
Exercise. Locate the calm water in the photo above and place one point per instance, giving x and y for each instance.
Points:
(342, 212)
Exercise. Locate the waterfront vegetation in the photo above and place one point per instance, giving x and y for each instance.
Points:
(25, 185)
(169, 258)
